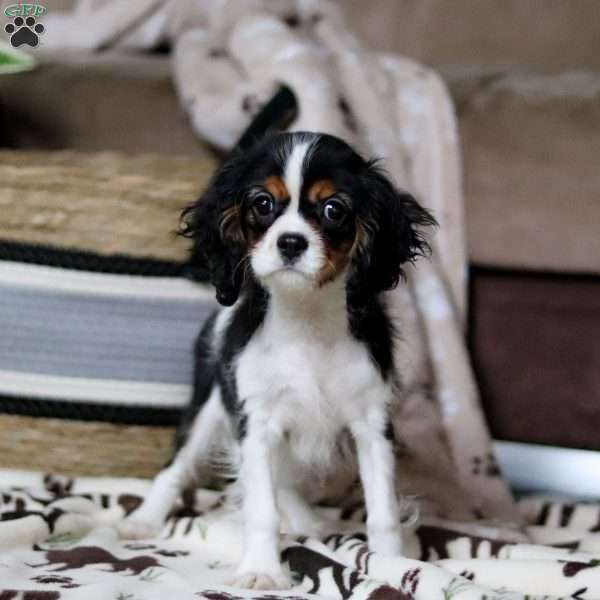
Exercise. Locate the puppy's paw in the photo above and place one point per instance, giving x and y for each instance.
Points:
(386, 543)
(133, 529)
(253, 580)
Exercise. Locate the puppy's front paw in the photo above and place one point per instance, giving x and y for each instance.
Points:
(253, 580)
(387, 543)
(132, 529)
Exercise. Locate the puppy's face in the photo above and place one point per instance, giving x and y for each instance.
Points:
(299, 221)
(300, 211)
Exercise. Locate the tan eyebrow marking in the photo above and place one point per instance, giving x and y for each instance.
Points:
(276, 187)
(321, 189)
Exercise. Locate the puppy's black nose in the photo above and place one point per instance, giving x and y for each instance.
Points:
(291, 245)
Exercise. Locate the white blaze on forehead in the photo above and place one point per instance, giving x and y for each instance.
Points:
(293, 173)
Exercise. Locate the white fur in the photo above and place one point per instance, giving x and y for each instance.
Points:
(303, 379)
(293, 174)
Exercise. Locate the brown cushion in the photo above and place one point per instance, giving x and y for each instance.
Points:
(536, 353)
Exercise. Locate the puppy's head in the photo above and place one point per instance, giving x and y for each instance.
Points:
(301, 210)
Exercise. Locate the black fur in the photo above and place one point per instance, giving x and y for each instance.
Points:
(370, 324)
(276, 115)
(247, 319)
(204, 380)
(393, 219)
(211, 252)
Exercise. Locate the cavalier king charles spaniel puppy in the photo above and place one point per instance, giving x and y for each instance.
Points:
(300, 235)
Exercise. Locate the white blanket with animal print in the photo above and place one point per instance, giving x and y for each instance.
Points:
(56, 542)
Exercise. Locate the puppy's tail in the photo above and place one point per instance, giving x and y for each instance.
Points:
(276, 115)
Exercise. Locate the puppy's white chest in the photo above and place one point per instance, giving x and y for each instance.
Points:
(307, 378)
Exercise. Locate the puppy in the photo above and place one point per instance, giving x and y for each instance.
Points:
(300, 235)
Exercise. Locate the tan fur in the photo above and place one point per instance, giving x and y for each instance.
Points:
(277, 188)
(320, 190)
(337, 259)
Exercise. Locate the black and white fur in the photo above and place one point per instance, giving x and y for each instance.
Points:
(300, 235)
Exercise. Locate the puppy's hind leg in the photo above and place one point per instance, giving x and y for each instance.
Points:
(147, 520)
(376, 464)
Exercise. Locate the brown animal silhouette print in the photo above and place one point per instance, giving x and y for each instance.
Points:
(387, 592)
(435, 542)
(64, 582)
(570, 569)
(88, 556)
(308, 564)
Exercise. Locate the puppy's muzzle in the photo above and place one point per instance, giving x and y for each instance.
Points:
(291, 246)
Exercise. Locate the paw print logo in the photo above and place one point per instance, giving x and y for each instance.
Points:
(24, 31)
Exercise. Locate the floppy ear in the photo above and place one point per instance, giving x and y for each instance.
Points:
(389, 234)
(213, 223)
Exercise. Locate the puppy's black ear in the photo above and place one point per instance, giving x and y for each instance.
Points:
(389, 234)
(213, 223)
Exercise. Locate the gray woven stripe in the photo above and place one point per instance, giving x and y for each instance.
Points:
(132, 339)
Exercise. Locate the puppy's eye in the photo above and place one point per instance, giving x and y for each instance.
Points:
(263, 205)
(334, 211)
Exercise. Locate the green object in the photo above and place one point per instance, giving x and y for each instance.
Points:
(13, 60)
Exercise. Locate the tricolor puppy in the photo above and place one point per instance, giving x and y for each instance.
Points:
(300, 234)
